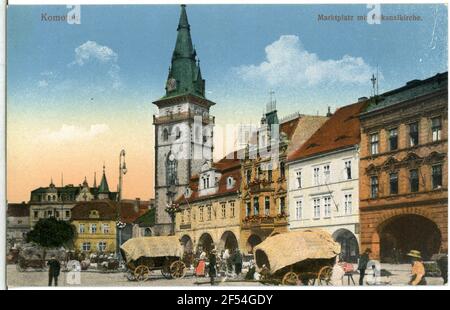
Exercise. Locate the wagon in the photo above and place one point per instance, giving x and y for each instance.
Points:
(299, 257)
(145, 255)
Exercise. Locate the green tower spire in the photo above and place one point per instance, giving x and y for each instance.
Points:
(103, 188)
(184, 74)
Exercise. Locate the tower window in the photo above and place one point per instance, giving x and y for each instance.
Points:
(165, 134)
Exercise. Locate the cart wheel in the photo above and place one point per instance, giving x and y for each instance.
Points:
(177, 269)
(290, 278)
(141, 273)
(324, 276)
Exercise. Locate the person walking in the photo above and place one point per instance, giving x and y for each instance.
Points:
(212, 266)
(200, 269)
(237, 260)
(53, 271)
(418, 269)
(362, 265)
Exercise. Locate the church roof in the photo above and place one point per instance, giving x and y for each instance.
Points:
(103, 188)
(185, 67)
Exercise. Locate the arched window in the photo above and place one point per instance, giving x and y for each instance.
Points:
(171, 166)
(165, 134)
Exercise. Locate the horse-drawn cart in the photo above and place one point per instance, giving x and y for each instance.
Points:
(299, 257)
(144, 255)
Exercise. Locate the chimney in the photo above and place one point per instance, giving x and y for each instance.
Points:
(137, 203)
(329, 114)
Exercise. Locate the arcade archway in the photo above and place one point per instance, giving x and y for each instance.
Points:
(400, 234)
(253, 241)
(205, 243)
(187, 243)
(228, 241)
(349, 245)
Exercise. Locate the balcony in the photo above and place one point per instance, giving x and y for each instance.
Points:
(182, 116)
(264, 221)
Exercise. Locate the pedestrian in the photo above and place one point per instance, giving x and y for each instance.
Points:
(53, 271)
(212, 265)
(418, 269)
(362, 265)
(237, 260)
(200, 269)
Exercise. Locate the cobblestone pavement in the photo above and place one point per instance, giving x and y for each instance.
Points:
(399, 276)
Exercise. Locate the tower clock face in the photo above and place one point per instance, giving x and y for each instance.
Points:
(171, 157)
(171, 84)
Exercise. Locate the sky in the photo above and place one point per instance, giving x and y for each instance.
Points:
(79, 93)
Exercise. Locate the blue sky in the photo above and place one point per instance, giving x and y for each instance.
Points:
(101, 76)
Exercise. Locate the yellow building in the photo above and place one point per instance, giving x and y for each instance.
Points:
(210, 216)
(264, 205)
(95, 223)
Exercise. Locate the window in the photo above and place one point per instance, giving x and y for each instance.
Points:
(374, 144)
(436, 128)
(248, 209)
(255, 206)
(248, 175)
(299, 209)
(414, 180)
(36, 214)
(282, 170)
(282, 205)
(224, 210)
(266, 205)
(67, 213)
(165, 134)
(177, 133)
(209, 213)
(171, 169)
(260, 173)
(93, 228)
(393, 139)
(316, 176)
(232, 210)
(105, 228)
(373, 187)
(101, 246)
(201, 214)
(269, 175)
(413, 134)
(327, 206)
(348, 204)
(393, 183)
(49, 213)
(86, 246)
(57, 214)
(326, 173)
(299, 179)
(316, 206)
(81, 229)
(436, 174)
(348, 169)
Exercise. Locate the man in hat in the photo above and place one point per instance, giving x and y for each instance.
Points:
(53, 270)
(362, 265)
(418, 269)
(212, 265)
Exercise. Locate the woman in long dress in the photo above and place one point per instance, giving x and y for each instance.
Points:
(200, 269)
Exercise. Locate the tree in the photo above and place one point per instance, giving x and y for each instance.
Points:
(51, 232)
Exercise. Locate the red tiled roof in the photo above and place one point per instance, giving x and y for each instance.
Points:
(341, 130)
(108, 210)
(289, 127)
(18, 209)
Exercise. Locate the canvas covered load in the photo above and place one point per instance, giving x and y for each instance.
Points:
(157, 246)
(286, 249)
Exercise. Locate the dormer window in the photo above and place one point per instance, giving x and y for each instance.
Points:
(93, 214)
(230, 182)
(187, 192)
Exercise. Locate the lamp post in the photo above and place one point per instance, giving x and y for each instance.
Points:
(120, 225)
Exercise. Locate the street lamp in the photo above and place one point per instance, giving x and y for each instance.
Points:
(120, 225)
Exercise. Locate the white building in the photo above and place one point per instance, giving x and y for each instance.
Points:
(323, 181)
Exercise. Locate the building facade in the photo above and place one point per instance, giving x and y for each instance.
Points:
(403, 170)
(17, 224)
(55, 201)
(210, 208)
(183, 126)
(323, 181)
(264, 188)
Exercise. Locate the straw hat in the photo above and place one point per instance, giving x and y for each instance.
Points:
(414, 253)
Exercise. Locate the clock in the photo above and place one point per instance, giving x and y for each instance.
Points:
(171, 157)
(171, 84)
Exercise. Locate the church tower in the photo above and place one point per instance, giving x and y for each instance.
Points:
(183, 126)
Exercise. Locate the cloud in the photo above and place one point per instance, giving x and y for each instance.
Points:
(42, 83)
(72, 133)
(92, 50)
(289, 63)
